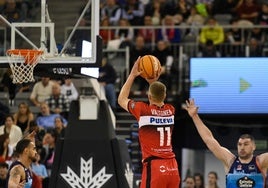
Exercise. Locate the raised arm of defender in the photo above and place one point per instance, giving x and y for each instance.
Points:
(213, 145)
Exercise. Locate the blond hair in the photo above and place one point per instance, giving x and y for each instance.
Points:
(157, 91)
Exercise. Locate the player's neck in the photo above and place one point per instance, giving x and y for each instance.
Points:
(246, 160)
(158, 104)
(25, 162)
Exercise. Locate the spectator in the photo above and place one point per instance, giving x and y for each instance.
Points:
(3, 174)
(106, 33)
(48, 151)
(258, 34)
(58, 102)
(148, 33)
(169, 32)
(107, 78)
(13, 14)
(155, 9)
(38, 168)
(263, 19)
(25, 87)
(212, 31)
(224, 7)
(212, 180)
(133, 11)
(46, 119)
(248, 10)
(37, 181)
(39, 133)
(138, 49)
(125, 33)
(14, 132)
(4, 110)
(209, 50)
(194, 20)
(263, 15)
(59, 127)
(69, 89)
(164, 55)
(189, 182)
(182, 7)
(255, 49)
(9, 86)
(23, 117)
(236, 39)
(199, 180)
(41, 91)
(5, 149)
(112, 11)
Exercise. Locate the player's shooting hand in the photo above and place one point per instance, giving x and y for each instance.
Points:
(135, 71)
(191, 108)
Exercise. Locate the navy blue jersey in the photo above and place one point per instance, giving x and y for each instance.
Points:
(245, 175)
(28, 174)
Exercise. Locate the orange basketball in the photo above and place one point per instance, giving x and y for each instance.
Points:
(150, 65)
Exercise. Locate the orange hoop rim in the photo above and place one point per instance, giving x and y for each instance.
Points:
(30, 56)
(24, 52)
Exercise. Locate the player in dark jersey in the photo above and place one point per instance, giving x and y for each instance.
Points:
(19, 174)
(156, 121)
(243, 170)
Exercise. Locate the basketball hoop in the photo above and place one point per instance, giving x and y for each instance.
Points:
(22, 63)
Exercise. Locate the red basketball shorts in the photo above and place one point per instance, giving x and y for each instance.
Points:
(160, 173)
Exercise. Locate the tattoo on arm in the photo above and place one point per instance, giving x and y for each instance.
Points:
(15, 173)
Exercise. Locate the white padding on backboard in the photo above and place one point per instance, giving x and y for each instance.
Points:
(86, 49)
(89, 107)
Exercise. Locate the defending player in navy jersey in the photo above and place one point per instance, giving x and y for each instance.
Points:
(243, 170)
(156, 121)
(19, 174)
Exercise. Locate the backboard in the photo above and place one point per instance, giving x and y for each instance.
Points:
(61, 54)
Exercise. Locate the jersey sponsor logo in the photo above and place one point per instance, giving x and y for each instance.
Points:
(62, 71)
(163, 169)
(239, 167)
(245, 182)
(156, 120)
(251, 167)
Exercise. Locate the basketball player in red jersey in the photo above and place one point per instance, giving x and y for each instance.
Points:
(156, 121)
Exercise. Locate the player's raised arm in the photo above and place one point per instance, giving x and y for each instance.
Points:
(263, 159)
(125, 90)
(220, 152)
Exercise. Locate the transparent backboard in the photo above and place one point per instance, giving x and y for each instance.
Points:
(63, 53)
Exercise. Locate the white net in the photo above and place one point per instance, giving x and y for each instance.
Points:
(22, 63)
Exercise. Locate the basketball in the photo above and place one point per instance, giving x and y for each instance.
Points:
(150, 65)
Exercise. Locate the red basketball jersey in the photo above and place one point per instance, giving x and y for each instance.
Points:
(155, 128)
